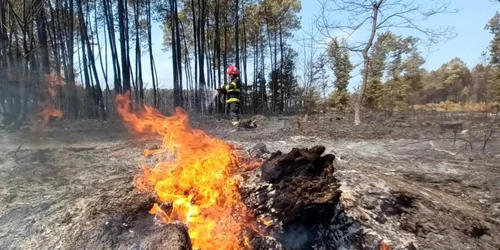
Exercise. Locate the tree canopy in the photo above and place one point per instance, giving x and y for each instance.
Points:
(72, 56)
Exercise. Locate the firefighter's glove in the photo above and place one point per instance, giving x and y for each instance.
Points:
(221, 91)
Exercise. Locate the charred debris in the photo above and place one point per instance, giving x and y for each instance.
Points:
(296, 198)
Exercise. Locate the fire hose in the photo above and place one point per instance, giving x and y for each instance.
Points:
(222, 95)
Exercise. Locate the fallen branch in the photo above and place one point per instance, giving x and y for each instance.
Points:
(492, 130)
(486, 139)
(79, 149)
(15, 153)
(435, 139)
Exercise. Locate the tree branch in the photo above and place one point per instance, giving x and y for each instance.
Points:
(15, 153)
(392, 13)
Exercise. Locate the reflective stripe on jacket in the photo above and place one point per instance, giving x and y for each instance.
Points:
(233, 90)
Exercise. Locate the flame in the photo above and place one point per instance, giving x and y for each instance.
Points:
(266, 221)
(52, 80)
(253, 164)
(49, 111)
(385, 246)
(193, 175)
(247, 242)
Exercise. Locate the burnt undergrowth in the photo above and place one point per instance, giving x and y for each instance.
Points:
(298, 200)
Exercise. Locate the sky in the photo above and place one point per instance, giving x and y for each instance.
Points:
(469, 22)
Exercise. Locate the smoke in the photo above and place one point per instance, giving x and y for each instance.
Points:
(337, 231)
(210, 96)
(297, 236)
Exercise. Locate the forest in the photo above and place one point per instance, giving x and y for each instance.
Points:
(54, 59)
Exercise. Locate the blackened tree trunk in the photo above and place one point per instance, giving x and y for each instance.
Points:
(178, 54)
(188, 73)
(255, 92)
(217, 47)
(127, 42)
(175, 56)
(245, 84)
(70, 41)
(208, 60)
(281, 68)
(123, 45)
(151, 57)
(197, 102)
(107, 5)
(4, 62)
(104, 69)
(224, 55)
(84, 61)
(53, 34)
(262, 83)
(276, 76)
(273, 66)
(41, 25)
(237, 33)
(70, 78)
(201, 50)
(138, 65)
(97, 94)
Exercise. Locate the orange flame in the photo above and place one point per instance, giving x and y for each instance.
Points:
(194, 173)
(49, 111)
(253, 164)
(385, 246)
(247, 242)
(266, 221)
(52, 80)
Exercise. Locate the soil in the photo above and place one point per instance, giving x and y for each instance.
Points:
(404, 178)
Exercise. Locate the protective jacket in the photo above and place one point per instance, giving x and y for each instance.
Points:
(233, 90)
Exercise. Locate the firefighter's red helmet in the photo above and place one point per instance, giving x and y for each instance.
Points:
(232, 70)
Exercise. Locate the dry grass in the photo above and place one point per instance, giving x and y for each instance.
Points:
(449, 106)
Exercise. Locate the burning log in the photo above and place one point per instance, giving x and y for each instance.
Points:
(299, 199)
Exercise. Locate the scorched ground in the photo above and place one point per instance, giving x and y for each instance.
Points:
(71, 185)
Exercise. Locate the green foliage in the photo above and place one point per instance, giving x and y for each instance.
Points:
(281, 12)
(373, 94)
(448, 82)
(494, 85)
(311, 100)
(493, 26)
(254, 23)
(338, 99)
(339, 58)
(285, 79)
(319, 77)
(404, 72)
(480, 80)
(395, 73)
(379, 54)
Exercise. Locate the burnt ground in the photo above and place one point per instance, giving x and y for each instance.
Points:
(69, 186)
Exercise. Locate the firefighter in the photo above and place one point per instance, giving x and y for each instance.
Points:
(233, 94)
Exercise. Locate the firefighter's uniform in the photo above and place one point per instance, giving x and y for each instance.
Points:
(233, 90)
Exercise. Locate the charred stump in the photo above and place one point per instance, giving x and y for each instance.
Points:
(297, 199)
